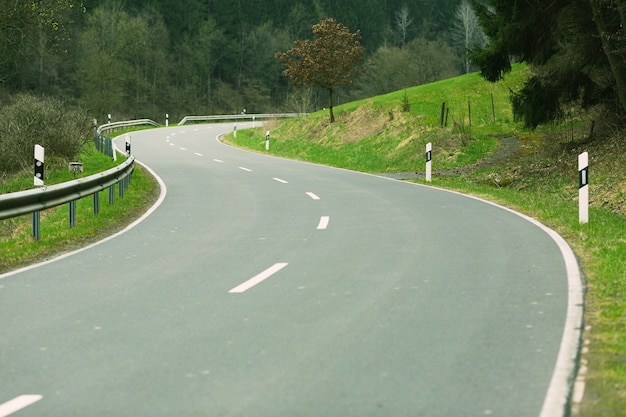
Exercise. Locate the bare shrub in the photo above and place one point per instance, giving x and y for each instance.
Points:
(28, 120)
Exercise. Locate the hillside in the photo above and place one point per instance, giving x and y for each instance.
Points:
(536, 174)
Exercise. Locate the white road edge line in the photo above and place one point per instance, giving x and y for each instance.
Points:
(323, 224)
(245, 169)
(18, 403)
(313, 196)
(561, 384)
(106, 239)
(281, 181)
(258, 278)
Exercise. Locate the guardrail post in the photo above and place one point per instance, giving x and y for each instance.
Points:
(96, 204)
(120, 188)
(112, 194)
(72, 218)
(36, 225)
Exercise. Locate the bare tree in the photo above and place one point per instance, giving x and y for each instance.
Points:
(467, 26)
(403, 21)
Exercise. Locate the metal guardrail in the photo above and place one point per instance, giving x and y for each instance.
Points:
(36, 199)
(105, 144)
(109, 127)
(251, 117)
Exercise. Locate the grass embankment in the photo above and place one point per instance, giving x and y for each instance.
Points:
(540, 180)
(19, 248)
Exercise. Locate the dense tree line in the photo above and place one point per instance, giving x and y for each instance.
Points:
(145, 58)
(577, 49)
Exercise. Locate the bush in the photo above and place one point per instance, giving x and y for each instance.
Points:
(28, 120)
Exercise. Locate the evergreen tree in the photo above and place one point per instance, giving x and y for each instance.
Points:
(561, 40)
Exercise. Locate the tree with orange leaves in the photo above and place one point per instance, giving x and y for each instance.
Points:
(331, 60)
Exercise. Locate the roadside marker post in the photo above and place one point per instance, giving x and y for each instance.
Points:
(235, 131)
(429, 158)
(38, 181)
(583, 187)
(167, 119)
(127, 144)
(267, 140)
(39, 165)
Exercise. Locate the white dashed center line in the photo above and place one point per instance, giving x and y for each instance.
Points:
(258, 278)
(218, 160)
(313, 196)
(18, 403)
(245, 169)
(323, 224)
(281, 181)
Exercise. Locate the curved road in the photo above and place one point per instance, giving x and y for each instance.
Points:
(268, 287)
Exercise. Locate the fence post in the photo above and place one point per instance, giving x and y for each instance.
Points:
(443, 112)
(583, 187)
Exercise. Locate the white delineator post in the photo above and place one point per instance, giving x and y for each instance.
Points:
(39, 168)
(267, 140)
(167, 119)
(429, 158)
(127, 144)
(583, 187)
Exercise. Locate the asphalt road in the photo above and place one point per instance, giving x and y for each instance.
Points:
(268, 287)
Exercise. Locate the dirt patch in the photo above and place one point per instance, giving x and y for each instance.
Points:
(508, 148)
(362, 123)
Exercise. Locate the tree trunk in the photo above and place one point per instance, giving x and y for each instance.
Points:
(611, 34)
(330, 103)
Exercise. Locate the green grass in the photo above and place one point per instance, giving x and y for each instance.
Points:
(374, 135)
(19, 248)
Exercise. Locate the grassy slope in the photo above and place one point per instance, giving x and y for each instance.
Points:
(375, 135)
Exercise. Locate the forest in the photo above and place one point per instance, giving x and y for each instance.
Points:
(146, 58)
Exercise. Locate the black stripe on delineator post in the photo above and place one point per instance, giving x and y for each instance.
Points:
(583, 177)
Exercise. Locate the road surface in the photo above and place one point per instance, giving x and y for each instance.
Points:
(268, 287)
